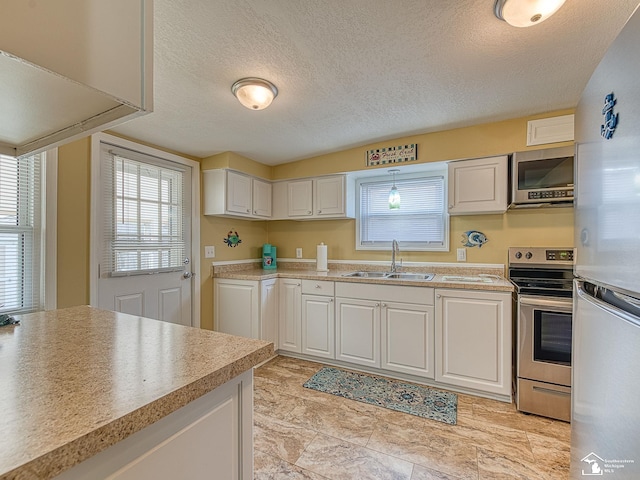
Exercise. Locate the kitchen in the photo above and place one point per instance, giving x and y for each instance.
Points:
(548, 227)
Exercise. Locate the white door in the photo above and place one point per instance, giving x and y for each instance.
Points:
(358, 331)
(318, 326)
(143, 235)
(290, 311)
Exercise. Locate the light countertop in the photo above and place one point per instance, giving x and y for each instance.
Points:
(75, 381)
(498, 282)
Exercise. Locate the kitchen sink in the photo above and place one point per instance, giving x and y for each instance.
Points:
(366, 274)
(411, 276)
(391, 276)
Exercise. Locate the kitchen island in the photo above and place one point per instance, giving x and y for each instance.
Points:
(79, 381)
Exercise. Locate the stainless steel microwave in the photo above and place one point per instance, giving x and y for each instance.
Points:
(542, 177)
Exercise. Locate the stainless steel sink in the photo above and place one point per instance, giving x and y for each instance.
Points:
(467, 278)
(411, 276)
(391, 276)
(366, 274)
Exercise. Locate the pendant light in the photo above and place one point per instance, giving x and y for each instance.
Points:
(525, 13)
(394, 195)
(254, 93)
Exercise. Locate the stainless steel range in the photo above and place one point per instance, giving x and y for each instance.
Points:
(544, 283)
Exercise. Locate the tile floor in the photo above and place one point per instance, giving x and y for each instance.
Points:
(304, 434)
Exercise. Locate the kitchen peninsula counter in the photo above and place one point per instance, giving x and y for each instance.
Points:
(305, 271)
(76, 381)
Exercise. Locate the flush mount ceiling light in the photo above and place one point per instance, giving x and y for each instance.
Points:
(524, 13)
(254, 93)
(394, 195)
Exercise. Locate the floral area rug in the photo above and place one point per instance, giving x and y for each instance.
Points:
(396, 395)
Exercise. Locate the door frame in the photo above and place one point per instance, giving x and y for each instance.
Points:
(195, 214)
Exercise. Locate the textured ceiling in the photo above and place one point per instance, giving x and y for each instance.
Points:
(354, 72)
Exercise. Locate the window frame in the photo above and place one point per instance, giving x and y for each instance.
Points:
(439, 171)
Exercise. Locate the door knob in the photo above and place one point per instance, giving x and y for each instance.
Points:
(187, 275)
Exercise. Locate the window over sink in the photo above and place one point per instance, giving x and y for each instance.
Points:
(420, 224)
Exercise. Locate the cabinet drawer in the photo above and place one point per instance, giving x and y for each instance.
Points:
(318, 287)
(386, 293)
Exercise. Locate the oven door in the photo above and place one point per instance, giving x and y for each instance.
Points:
(544, 339)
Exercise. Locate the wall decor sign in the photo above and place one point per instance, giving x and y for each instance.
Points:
(398, 154)
(610, 119)
(474, 238)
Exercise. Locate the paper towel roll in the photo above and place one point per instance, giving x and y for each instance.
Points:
(321, 258)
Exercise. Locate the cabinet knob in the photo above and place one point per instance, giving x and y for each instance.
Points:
(450, 206)
(318, 285)
(377, 304)
(330, 300)
(298, 284)
(438, 296)
(319, 211)
(309, 212)
(384, 305)
(248, 211)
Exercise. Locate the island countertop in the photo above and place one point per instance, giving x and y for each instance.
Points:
(75, 381)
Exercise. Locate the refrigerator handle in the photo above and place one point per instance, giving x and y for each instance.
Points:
(614, 303)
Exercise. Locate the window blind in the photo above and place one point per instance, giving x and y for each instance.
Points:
(144, 221)
(419, 223)
(21, 279)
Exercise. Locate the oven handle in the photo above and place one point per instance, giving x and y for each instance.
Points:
(561, 303)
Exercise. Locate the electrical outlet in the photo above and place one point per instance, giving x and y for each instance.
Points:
(298, 252)
(462, 255)
(210, 252)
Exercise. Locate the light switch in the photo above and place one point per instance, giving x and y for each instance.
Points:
(209, 252)
(298, 252)
(462, 255)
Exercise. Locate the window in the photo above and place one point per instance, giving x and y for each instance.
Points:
(421, 222)
(144, 218)
(21, 258)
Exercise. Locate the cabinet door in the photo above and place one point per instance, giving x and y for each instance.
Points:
(407, 338)
(238, 193)
(290, 306)
(300, 198)
(261, 198)
(358, 331)
(236, 308)
(478, 186)
(318, 326)
(329, 196)
(473, 348)
(269, 311)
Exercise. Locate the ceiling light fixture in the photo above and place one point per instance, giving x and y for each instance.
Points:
(254, 93)
(394, 195)
(525, 13)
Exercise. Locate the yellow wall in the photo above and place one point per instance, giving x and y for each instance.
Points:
(552, 227)
(545, 227)
(74, 181)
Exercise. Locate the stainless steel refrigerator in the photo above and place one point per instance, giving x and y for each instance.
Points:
(605, 428)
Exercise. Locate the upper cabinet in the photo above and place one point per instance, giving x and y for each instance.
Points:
(234, 194)
(72, 68)
(550, 130)
(313, 198)
(478, 186)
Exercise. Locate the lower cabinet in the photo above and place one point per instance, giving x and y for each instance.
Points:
(384, 326)
(247, 308)
(290, 315)
(318, 319)
(474, 338)
(358, 331)
(407, 338)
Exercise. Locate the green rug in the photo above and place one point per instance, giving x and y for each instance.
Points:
(392, 394)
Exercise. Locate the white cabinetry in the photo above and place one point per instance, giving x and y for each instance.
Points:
(407, 338)
(474, 340)
(247, 308)
(550, 130)
(289, 313)
(314, 198)
(478, 186)
(318, 314)
(83, 66)
(234, 194)
(211, 434)
(389, 327)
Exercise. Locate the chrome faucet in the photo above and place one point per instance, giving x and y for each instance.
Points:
(395, 250)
